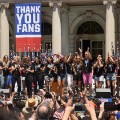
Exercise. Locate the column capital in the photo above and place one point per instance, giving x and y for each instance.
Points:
(105, 2)
(65, 8)
(55, 3)
(5, 5)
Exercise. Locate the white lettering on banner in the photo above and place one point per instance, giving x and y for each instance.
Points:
(27, 18)
(18, 9)
(18, 28)
(19, 17)
(36, 18)
(28, 9)
(31, 22)
(28, 28)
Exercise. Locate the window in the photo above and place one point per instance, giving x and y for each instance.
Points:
(90, 27)
(97, 48)
(46, 28)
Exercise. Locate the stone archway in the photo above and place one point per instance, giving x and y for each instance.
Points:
(83, 18)
(78, 22)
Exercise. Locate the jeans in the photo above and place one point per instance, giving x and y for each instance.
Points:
(29, 80)
(18, 80)
(6, 82)
(1, 81)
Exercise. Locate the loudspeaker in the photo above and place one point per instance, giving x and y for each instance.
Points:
(103, 93)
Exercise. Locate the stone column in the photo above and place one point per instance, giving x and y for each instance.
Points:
(4, 37)
(110, 26)
(65, 42)
(56, 26)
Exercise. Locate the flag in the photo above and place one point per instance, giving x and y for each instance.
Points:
(33, 53)
(28, 25)
(59, 114)
(28, 51)
(25, 54)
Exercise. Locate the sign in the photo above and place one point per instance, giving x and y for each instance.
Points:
(28, 26)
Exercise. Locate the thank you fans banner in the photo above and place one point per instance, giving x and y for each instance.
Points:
(28, 26)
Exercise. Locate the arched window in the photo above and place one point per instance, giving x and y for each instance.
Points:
(46, 28)
(90, 27)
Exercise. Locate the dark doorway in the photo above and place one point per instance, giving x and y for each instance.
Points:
(85, 45)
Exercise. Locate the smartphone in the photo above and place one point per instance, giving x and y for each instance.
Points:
(79, 107)
(109, 106)
(48, 95)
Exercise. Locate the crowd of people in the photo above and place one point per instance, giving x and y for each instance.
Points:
(34, 78)
(50, 106)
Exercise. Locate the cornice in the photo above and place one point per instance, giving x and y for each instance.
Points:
(6, 5)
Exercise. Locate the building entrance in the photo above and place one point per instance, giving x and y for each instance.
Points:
(91, 34)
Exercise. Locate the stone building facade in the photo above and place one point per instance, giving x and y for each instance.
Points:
(68, 25)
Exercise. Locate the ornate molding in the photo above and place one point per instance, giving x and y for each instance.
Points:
(5, 5)
(65, 8)
(105, 2)
(55, 3)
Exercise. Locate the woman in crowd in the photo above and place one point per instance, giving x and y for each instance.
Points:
(15, 70)
(98, 68)
(29, 77)
(77, 69)
(6, 72)
(51, 68)
(1, 74)
(61, 71)
(38, 74)
(24, 66)
(87, 71)
(111, 76)
(69, 70)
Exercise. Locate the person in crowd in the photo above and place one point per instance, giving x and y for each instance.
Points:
(69, 70)
(44, 111)
(98, 72)
(50, 69)
(118, 75)
(111, 76)
(15, 70)
(87, 71)
(29, 77)
(24, 65)
(61, 71)
(38, 74)
(1, 74)
(77, 69)
(6, 72)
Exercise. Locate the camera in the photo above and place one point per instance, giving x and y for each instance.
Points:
(111, 106)
(79, 108)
